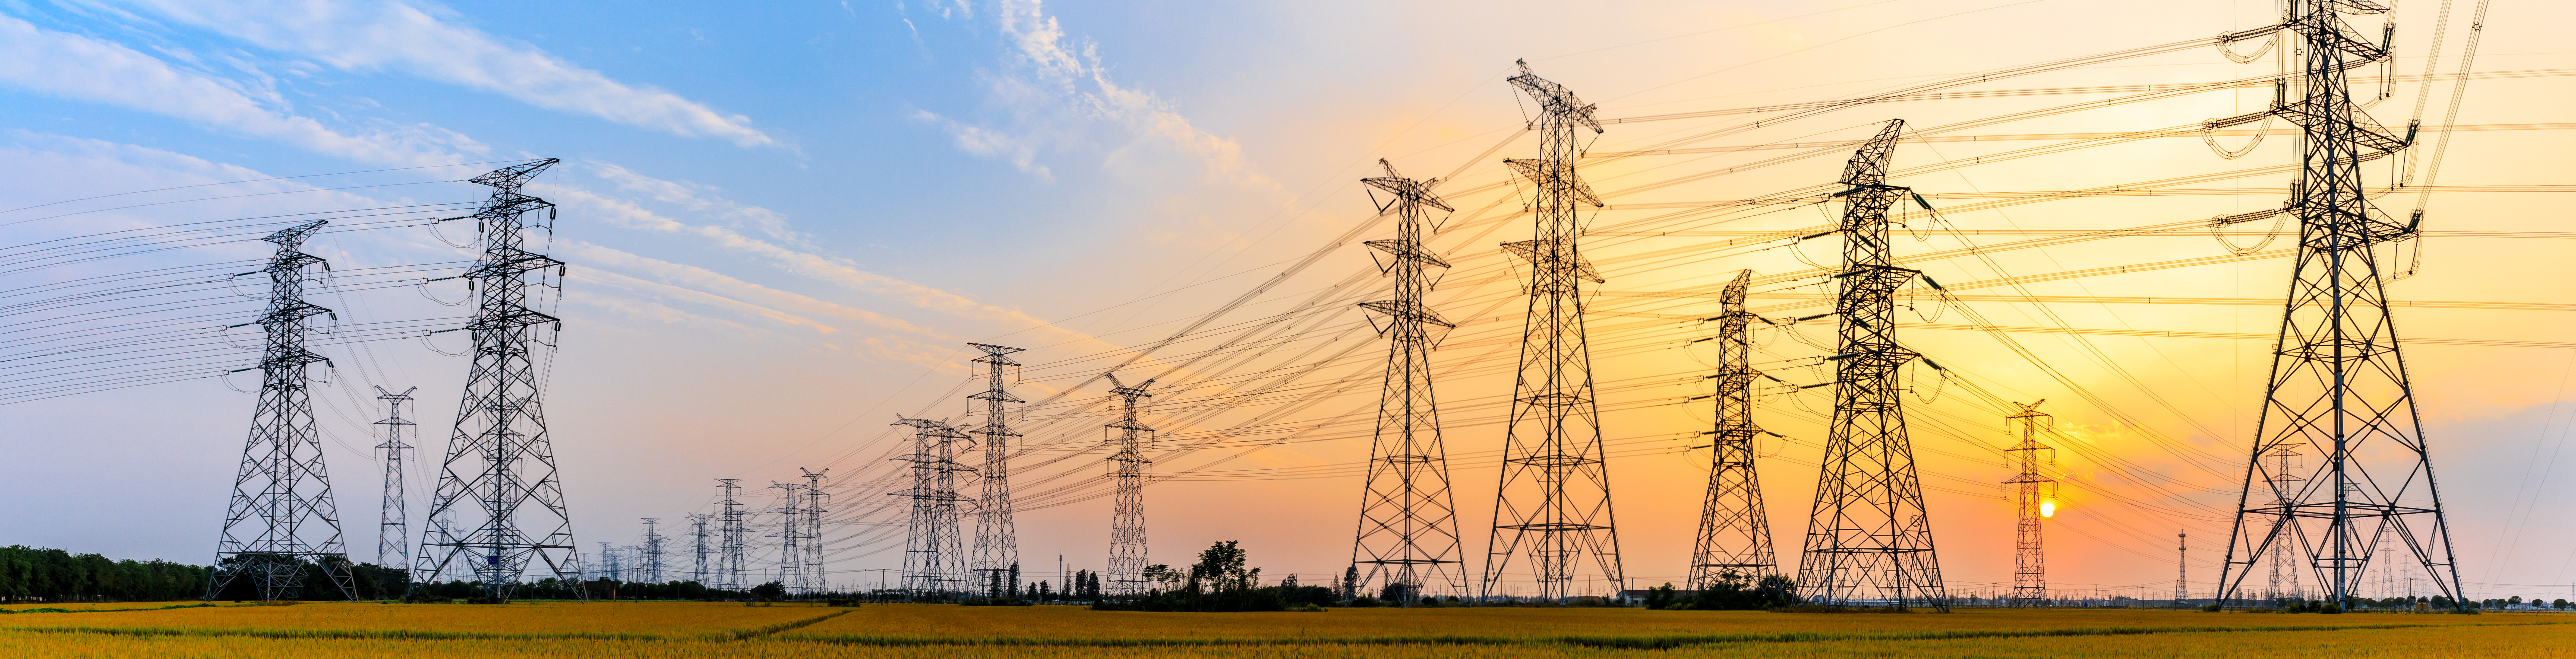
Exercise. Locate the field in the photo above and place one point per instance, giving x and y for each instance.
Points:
(676, 629)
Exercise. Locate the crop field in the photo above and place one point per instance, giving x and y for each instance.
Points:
(682, 629)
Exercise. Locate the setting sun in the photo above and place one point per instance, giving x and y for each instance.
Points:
(2048, 509)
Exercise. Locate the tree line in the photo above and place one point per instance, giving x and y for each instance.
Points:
(54, 575)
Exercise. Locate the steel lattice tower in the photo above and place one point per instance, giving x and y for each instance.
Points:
(934, 558)
(997, 542)
(500, 461)
(790, 535)
(2182, 569)
(698, 547)
(1552, 506)
(733, 548)
(1734, 529)
(813, 520)
(282, 485)
(1869, 538)
(1127, 518)
(393, 528)
(1408, 527)
(2338, 380)
(2030, 556)
(652, 567)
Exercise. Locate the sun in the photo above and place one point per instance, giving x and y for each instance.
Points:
(2048, 509)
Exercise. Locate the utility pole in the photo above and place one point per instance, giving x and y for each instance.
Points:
(282, 485)
(2338, 379)
(934, 550)
(1408, 526)
(2030, 556)
(1127, 518)
(698, 547)
(393, 527)
(1869, 538)
(501, 462)
(1734, 530)
(734, 536)
(791, 531)
(997, 543)
(1552, 506)
(652, 567)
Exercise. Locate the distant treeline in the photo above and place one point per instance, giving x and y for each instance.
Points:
(54, 575)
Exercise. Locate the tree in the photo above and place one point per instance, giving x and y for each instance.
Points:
(1015, 580)
(1661, 596)
(772, 591)
(1350, 583)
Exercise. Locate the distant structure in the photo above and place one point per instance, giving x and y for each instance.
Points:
(282, 486)
(2182, 569)
(393, 528)
(699, 567)
(1869, 538)
(500, 463)
(2030, 555)
(733, 547)
(1552, 507)
(997, 542)
(1127, 519)
(815, 563)
(790, 535)
(934, 557)
(1734, 530)
(652, 563)
(1408, 534)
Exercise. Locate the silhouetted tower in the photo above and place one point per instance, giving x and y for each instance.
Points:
(2284, 480)
(815, 495)
(1734, 530)
(393, 528)
(1869, 539)
(733, 550)
(1408, 527)
(282, 486)
(652, 564)
(1552, 507)
(2030, 556)
(2182, 569)
(934, 559)
(997, 542)
(500, 464)
(699, 566)
(1127, 518)
(608, 557)
(790, 535)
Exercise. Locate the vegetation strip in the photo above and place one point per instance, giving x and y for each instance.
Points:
(51, 609)
(1610, 642)
(784, 626)
(422, 635)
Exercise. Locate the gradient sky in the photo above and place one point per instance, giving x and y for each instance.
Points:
(786, 218)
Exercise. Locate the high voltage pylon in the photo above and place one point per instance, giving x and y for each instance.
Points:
(1869, 538)
(651, 571)
(2338, 381)
(2030, 555)
(934, 557)
(790, 535)
(1552, 506)
(1408, 528)
(2182, 568)
(1127, 516)
(1734, 544)
(500, 460)
(282, 485)
(997, 542)
(698, 547)
(734, 535)
(812, 516)
(393, 528)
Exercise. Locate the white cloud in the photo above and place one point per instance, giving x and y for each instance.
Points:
(80, 68)
(978, 140)
(363, 35)
(701, 199)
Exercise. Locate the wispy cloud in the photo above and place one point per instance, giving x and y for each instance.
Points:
(1020, 150)
(364, 35)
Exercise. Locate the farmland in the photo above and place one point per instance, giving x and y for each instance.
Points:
(676, 629)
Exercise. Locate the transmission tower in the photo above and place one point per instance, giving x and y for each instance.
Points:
(2182, 569)
(1734, 530)
(2338, 381)
(733, 551)
(2030, 556)
(790, 535)
(698, 547)
(1552, 506)
(1408, 528)
(1869, 539)
(934, 559)
(281, 485)
(393, 520)
(2284, 479)
(1127, 519)
(500, 463)
(652, 567)
(997, 543)
(813, 520)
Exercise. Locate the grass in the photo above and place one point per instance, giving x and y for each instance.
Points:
(673, 629)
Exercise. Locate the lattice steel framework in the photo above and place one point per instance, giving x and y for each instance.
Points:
(1734, 544)
(393, 528)
(1869, 538)
(651, 569)
(1408, 527)
(698, 566)
(997, 541)
(1552, 506)
(2338, 379)
(500, 464)
(1127, 518)
(282, 486)
(733, 549)
(813, 578)
(2030, 554)
(934, 557)
(2182, 568)
(791, 534)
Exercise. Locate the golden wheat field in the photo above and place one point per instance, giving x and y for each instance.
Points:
(683, 629)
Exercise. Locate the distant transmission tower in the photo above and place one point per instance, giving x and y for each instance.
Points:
(501, 463)
(934, 558)
(2182, 568)
(1552, 507)
(1869, 538)
(1734, 530)
(2030, 555)
(1408, 533)
(393, 528)
(790, 535)
(698, 569)
(652, 563)
(813, 521)
(1127, 519)
(281, 485)
(997, 542)
(2338, 381)
(733, 550)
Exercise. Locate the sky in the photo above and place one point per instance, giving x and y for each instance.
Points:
(785, 220)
